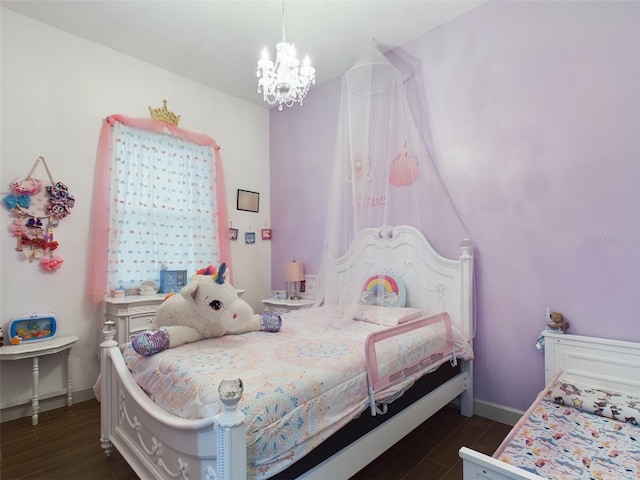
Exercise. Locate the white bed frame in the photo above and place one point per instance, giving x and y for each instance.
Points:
(592, 361)
(159, 445)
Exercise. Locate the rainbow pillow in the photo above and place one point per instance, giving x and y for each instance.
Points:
(383, 290)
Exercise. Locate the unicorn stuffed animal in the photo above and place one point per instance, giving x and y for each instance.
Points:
(207, 307)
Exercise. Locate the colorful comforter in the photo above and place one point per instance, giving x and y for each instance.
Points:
(561, 442)
(301, 384)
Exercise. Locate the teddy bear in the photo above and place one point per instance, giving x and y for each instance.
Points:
(207, 307)
(556, 323)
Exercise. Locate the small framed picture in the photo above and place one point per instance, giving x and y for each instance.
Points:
(266, 233)
(233, 234)
(248, 201)
(249, 238)
(310, 286)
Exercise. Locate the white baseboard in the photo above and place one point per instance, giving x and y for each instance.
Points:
(24, 410)
(493, 411)
(498, 413)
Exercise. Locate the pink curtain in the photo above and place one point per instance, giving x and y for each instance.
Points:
(99, 235)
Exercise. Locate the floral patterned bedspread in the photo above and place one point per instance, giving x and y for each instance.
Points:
(300, 385)
(560, 442)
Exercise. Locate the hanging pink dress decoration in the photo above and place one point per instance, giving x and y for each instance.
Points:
(404, 169)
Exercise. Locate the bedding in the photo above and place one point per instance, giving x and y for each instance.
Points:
(572, 433)
(378, 314)
(301, 385)
(389, 316)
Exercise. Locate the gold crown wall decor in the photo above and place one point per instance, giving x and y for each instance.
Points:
(164, 115)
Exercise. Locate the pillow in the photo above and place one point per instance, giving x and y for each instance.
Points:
(383, 290)
(605, 403)
(390, 316)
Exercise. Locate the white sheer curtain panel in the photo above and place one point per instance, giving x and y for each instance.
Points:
(163, 205)
(385, 171)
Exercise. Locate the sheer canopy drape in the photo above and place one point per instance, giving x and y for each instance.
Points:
(159, 198)
(384, 171)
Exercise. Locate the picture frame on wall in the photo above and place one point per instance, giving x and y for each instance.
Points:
(310, 286)
(248, 201)
(233, 234)
(250, 238)
(265, 234)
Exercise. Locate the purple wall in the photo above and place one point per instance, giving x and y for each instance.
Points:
(534, 110)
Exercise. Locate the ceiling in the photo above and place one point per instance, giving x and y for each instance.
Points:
(217, 43)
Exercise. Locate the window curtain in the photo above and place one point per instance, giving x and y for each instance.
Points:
(124, 228)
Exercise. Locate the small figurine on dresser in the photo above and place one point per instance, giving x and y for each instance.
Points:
(555, 324)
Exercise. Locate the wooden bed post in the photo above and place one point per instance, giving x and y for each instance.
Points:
(108, 330)
(468, 323)
(231, 432)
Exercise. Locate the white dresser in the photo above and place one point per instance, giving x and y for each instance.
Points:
(133, 314)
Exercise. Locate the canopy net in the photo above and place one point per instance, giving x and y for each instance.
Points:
(384, 171)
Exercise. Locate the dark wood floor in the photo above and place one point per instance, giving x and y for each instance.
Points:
(65, 445)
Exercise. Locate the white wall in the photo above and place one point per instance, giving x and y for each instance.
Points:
(56, 89)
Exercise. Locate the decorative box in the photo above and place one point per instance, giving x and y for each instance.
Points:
(34, 328)
(172, 280)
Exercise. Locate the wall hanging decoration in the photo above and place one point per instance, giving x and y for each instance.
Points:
(265, 233)
(248, 201)
(404, 168)
(37, 210)
(233, 232)
(164, 114)
(250, 238)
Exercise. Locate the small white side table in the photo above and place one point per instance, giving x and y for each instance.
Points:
(285, 306)
(36, 350)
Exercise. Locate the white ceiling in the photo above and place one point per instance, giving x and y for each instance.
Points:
(218, 43)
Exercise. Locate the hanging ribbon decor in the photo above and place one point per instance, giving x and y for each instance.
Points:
(37, 211)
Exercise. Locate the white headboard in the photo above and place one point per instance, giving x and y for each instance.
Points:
(599, 362)
(433, 283)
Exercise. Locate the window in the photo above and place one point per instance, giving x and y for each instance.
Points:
(162, 202)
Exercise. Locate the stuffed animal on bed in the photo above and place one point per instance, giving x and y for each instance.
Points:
(207, 307)
(555, 324)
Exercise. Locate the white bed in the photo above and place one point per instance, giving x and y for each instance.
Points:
(160, 445)
(611, 365)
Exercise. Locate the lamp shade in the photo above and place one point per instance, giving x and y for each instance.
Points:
(294, 271)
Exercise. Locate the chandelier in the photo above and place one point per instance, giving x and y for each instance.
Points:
(285, 82)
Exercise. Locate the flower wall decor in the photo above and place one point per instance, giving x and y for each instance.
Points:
(37, 212)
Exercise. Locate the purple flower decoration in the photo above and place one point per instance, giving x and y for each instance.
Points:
(57, 208)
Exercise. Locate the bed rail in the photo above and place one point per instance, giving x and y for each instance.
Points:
(379, 382)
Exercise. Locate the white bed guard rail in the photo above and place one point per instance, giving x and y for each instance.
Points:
(377, 382)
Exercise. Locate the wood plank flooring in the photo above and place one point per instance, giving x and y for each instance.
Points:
(65, 445)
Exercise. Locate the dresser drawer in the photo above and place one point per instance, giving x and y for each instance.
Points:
(138, 323)
(132, 314)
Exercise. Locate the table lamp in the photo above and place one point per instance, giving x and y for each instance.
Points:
(294, 273)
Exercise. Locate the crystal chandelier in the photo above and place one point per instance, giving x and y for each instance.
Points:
(285, 82)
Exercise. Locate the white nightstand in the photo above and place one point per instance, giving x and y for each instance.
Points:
(284, 306)
(133, 314)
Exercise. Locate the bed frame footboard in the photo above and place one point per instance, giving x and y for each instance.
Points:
(161, 446)
(478, 466)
